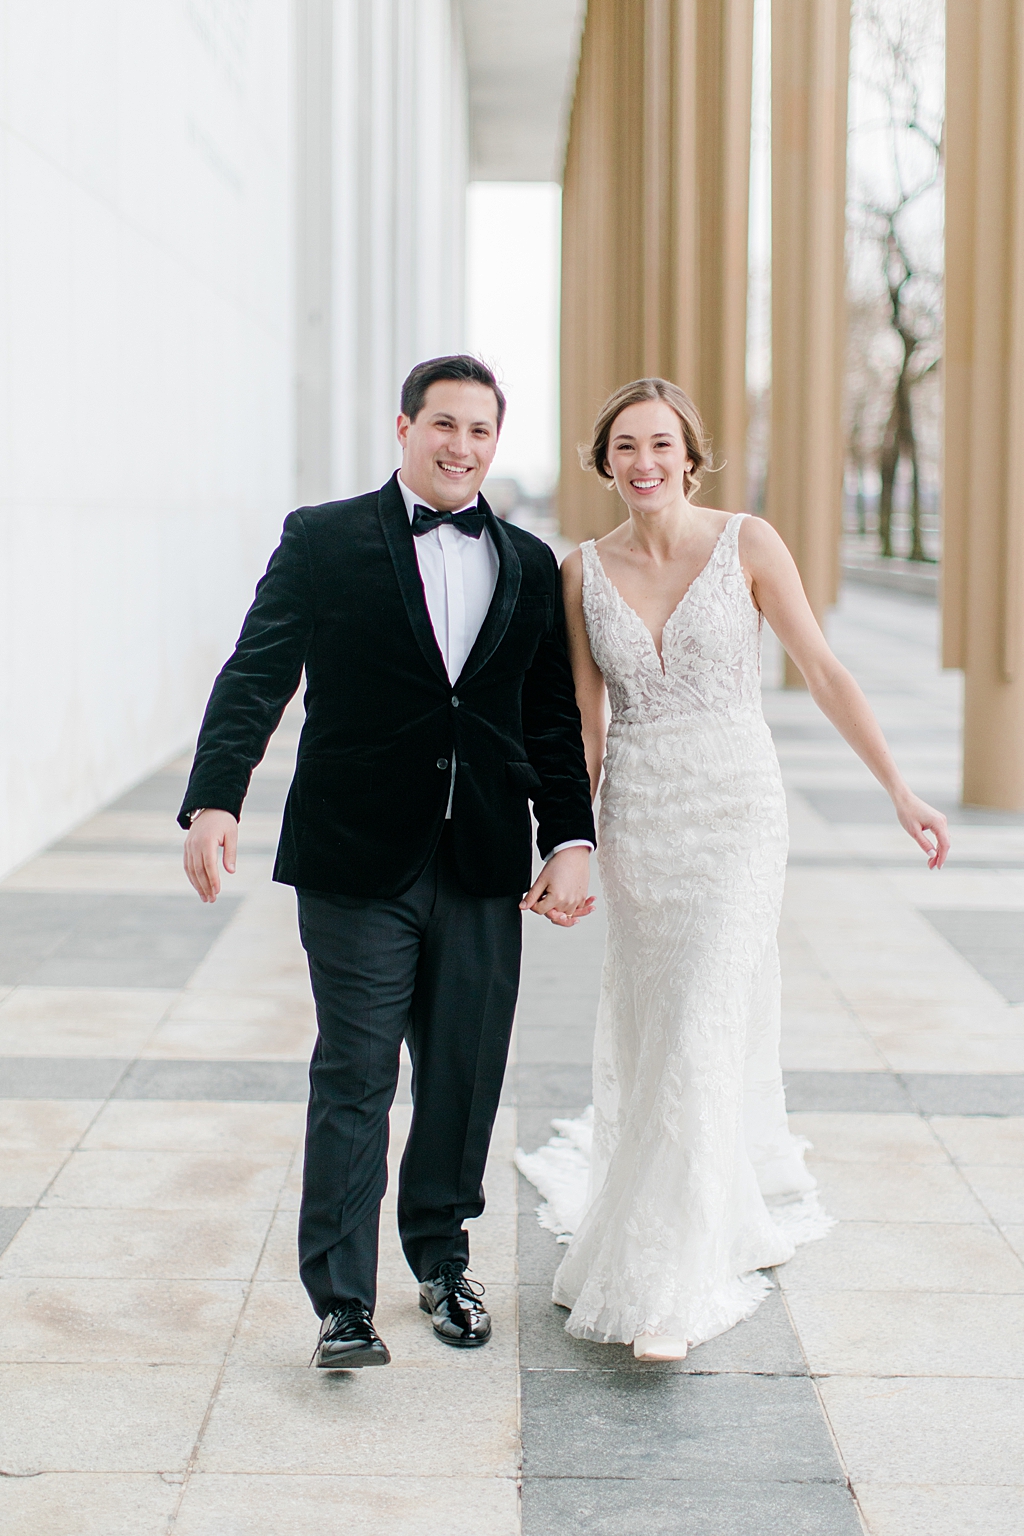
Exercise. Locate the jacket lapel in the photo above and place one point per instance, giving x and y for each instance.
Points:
(506, 594)
(394, 521)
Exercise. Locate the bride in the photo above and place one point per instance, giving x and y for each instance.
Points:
(689, 1134)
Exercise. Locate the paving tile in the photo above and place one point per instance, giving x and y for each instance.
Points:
(215, 1041)
(79, 1021)
(992, 941)
(867, 1137)
(113, 1244)
(239, 1023)
(284, 975)
(961, 1430)
(80, 1321)
(574, 1506)
(982, 1139)
(118, 871)
(219, 1080)
(191, 1126)
(553, 1086)
(1014, 1235)
(572, 1044)
(852, 1092)
(980, 1094)
(924, 1510)
(765, 1344)
(279, 1259)
(12, 1219)
(814, 1041)
(24, 1176)
(157, 792)
(911, 1256)
(90, 940)
(946, 1052)
(101, 1418)
(910, 1333)
(901, 1192)
(851, 806)
(200, 1006)
(239, 1505)
(276, 1419)
(150, 828)
(55, 1077)
(169, 1180)
(721, 1428)
(87, 1504)
(1000, 1190)
(962, 887)
(33, 1125)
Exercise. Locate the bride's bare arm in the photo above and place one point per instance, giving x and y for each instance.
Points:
(778, 591)
(590, 694)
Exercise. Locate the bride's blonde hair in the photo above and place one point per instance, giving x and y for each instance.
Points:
(698, 446)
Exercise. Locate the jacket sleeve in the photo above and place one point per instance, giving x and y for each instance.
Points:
(255, 684)
(553, 738)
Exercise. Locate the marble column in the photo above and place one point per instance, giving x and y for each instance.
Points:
(810, 69)
(314, 246)
(983, 553)
(654, 249)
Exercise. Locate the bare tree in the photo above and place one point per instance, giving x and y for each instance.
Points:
(894, 220)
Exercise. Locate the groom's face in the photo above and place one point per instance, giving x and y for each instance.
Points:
(448, 447)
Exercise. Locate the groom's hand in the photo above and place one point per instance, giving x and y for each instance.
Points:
(559, 892)
(210, 831)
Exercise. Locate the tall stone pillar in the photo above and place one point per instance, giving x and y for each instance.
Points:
(810, 70)
(983, 553)
(314, 247)
(654, 228)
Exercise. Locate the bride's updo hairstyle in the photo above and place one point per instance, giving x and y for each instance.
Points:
(698, 448)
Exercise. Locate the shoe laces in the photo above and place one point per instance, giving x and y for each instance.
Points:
(348, 1309)
(452, 1275)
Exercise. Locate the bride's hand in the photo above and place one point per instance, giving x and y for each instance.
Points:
(559, 892)
(919, 819)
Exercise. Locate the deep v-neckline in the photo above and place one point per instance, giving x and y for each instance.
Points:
(659, 656)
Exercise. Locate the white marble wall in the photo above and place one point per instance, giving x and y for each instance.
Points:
(400, 136)
(145, 378)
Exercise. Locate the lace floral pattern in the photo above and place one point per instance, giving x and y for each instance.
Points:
(689, 1131)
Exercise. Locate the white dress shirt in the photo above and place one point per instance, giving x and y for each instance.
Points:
(459, 575)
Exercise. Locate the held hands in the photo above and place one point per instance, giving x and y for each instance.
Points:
(559, 892)
(209, 831)
(920, 819)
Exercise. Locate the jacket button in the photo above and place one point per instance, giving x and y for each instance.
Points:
(442, 762)
(455, 700)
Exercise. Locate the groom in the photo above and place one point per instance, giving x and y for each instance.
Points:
(439, 701)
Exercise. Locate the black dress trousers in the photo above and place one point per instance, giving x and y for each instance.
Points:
(439, 968)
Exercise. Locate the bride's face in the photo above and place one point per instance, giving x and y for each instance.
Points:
(647, 456)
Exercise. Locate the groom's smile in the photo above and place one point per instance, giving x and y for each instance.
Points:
(449, 445)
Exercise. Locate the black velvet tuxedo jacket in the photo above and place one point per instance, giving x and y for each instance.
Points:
(342, 598)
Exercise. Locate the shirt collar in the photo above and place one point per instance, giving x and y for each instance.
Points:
(412, 501)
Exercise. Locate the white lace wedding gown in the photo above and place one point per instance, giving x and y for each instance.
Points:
(689, 1136)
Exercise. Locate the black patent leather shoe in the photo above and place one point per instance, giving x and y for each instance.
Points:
(454, 1304)
(348, 1340)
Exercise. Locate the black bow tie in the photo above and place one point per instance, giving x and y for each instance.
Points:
(424, 518)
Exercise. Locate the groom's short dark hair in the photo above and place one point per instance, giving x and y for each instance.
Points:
(460, 367)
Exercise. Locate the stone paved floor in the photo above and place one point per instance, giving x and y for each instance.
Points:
(153, 1336)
